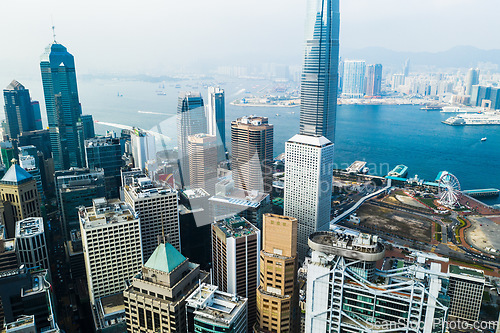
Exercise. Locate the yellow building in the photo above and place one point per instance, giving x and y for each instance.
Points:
(20, 197)
(277, 296)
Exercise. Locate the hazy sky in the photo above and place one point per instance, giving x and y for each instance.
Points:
(157, 36)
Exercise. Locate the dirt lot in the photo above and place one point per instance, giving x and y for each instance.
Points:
(395, 222)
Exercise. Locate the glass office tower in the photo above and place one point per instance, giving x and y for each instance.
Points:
(63, 106)
(319, 81)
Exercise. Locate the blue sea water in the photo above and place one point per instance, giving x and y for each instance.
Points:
(383, 136)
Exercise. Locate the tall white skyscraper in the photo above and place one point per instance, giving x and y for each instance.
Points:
(111, 238)
(354, 79)
(216, 114)
(308, 185)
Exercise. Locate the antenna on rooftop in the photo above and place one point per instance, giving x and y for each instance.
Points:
(53, 30)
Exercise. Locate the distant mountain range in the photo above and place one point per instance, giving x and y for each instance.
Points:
(457, 57)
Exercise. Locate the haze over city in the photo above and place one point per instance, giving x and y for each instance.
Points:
(157, 37)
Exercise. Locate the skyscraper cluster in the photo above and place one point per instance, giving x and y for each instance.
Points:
(190, 239)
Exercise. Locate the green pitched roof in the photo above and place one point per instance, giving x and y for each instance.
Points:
(165, 258)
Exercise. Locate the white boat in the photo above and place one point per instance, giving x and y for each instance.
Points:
(461, 109)
(481, 118)
(484, 139)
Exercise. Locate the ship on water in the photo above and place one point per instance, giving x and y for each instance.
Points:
(432, 108)
(399, 171)
(482, 118)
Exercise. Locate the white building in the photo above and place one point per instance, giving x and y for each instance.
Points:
(308, 185)
(111, 238)
(31, 244)
(209, 310)
(143, 147)
(346, 293)
(354, 79)
(157, 209)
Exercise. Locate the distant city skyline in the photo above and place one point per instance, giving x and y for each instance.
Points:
(139, 38)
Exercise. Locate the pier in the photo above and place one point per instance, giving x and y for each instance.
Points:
(489, 192)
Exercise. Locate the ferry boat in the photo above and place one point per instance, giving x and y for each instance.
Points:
(461, 109)
(432, 108)
(399, 171)
(482, 118)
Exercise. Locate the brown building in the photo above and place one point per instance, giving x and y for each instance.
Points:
(155, 300)
(277, 296)
(202, 149)
(235, 260)
(252, 153)
(19, 196)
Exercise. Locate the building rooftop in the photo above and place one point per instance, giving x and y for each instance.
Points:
(236, 226)
(214, 306)
(466, 272)
(310, 140)
(241, 197)
(25, 323)
(140, 186)
(16, 175)
(195, 193)
(348, 243)
(106, 211)
(165, 258)
(29, 227)
(252, 122)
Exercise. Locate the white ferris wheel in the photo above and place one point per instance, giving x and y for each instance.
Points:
(449, 190)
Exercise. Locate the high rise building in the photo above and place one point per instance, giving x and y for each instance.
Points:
(202, 150)
(157, 208)
(466, 292)
(75, 188)
(106, 153)
(216, 119)
(211, 310)
(37, 115)
(29, 163)
(111, 238)
(229, 201)
(319, 83)
(20, 114)
(346, 293)
(62, 105)
(8, 152)
(27, 302)
(143, 147)
(20, 199)
(8, 253)
(485, 97)
(277, 295)
(406, 68)
(31, 245)
(88, 126)
(235, 260)
(374, 80)
(471, 79)
(195, 223)
(155, 299)
(354, 79)
(308, 185)
(252, 153)
(190, 120)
